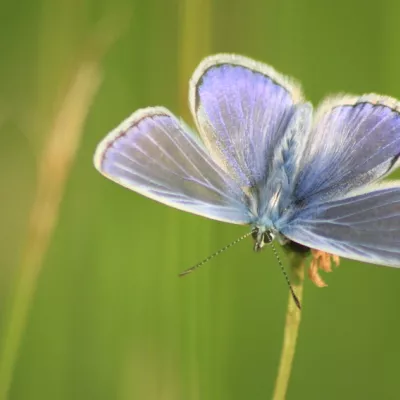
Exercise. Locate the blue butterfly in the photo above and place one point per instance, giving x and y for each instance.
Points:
(268, 160)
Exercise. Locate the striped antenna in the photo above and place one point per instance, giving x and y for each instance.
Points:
(217, 253)
(295, 298)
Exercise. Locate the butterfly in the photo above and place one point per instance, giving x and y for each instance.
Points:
(265, 158)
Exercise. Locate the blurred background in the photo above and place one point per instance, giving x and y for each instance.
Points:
(90, 303)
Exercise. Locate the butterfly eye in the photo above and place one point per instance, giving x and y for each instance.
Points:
(261, 238)
(268, 237)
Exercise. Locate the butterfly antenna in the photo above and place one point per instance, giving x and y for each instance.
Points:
(217, 253)
(295, 298)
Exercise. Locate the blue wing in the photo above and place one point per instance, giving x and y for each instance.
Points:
(153, 154)
(354, 141)
(242, 109)
(363, 227)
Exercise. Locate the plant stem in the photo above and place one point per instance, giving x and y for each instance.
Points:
(293, 317)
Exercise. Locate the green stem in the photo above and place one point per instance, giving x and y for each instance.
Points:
(293, 317)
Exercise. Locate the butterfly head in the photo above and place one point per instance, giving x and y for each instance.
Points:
(261, 237)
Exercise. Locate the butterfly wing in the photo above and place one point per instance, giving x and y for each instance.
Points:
(354, 141)
(154, 154)
(363, 227)
(242, 109)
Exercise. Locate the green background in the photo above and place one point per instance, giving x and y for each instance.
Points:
(109, 318)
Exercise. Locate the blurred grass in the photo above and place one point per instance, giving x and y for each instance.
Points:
(110, 319)
(58, 155)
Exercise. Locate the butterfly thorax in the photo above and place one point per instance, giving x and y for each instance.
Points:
(268, 202)
(271, 199)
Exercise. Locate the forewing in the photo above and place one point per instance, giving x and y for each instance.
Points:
(364, 227)
(153, 154)
(354, 141)
(242, 108)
